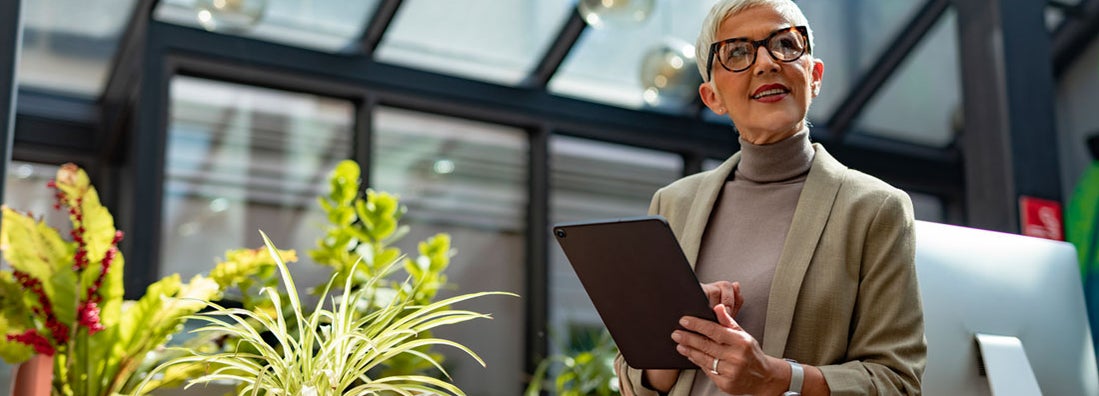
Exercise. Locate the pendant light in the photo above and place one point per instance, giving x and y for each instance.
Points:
(229, 16)
(615, 13)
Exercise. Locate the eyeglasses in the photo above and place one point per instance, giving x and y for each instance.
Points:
(738, 54)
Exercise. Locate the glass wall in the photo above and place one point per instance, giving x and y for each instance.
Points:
(241, 159)
(467, 179)
(592, 180)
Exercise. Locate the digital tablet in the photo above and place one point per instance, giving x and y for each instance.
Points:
(640, 282)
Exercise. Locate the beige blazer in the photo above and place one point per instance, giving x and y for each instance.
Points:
(844, 296)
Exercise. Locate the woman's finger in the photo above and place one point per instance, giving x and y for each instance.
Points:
(699, 358)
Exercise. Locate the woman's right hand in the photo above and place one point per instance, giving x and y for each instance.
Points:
(724, 292)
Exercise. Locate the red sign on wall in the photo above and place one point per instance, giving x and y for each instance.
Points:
(1041, 218)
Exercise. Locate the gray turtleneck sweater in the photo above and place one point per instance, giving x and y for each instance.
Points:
(748, 226)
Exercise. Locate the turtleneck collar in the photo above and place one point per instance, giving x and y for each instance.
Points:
(779, 161)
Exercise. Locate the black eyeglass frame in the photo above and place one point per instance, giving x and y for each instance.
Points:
(755, 49)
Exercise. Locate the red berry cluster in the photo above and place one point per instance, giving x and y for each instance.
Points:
(88, 313)
(58, 330)
(35, 340)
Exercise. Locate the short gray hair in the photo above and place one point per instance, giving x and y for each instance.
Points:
(727, 8)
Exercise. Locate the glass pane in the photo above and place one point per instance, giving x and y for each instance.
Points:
(242, 158)
(605, 64)
(468, 179)
(849, 36)
(58, 54)
(330, 26)
(492, 40)
(592, 180)
(918, 104)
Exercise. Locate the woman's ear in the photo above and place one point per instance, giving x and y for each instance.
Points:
(711, 98)
(818, 76)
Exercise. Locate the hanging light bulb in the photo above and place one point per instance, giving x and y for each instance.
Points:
(615, 13)
(668, 73)
(229, 15)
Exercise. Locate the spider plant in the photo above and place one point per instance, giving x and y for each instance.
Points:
(331, 350)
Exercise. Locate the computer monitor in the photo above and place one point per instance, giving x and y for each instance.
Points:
(982, 282)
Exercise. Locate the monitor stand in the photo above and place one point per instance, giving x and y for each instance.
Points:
(1005, 362)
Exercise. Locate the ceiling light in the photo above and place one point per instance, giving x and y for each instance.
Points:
(615, 13)
(229, 16)
(664, 77)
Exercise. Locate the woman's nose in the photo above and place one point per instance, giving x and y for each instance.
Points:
(764, 62)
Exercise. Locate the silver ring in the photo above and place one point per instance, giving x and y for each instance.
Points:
(713, 369)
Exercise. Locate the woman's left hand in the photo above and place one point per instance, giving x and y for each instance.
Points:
(741, 366)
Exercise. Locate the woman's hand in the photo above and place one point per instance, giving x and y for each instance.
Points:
(726, 293)
(741, 366)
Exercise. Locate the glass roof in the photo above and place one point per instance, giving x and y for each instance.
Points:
(849, 36)
(919, 102)
(491, 40)
(329, 26)
(605, 64)
(60, 55)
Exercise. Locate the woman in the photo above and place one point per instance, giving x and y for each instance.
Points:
(823, 255)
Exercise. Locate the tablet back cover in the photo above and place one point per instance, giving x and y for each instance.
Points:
(640, 283)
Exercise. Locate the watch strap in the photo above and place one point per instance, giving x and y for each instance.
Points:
(797, 377)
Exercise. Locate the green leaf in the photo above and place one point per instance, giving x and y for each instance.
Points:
(13, 352)
(98, 226)
(137, 317)
(33, 247)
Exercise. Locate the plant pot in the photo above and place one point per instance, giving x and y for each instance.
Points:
(33, 377)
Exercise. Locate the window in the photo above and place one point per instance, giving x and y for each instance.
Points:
(468, 179)
(592, 180)
(243, 158)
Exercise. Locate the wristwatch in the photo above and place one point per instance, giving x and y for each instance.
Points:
(797, 376)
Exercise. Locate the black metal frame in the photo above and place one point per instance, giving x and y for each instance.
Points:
(11, 24)
(1080, 27)
(1008, 92)
(884, 67)
(126, 141)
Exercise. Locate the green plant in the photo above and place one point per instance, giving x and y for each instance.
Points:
(330, 350)
(587, 372)
(64, 298)
(358, 243)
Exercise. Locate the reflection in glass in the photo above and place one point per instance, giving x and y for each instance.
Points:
(468, 179)
(60, 55)
(593, 180)
(241, 159)
(490, 40)
(329, 26)
(919, 102)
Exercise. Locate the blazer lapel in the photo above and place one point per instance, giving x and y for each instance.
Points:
(702, 205)
(812, 212)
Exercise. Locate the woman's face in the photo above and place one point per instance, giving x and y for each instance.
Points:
(769, 100)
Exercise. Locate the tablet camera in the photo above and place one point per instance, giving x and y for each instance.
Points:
(560, 233)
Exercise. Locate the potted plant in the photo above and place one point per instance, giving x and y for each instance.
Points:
(331, 349)
(62, 300)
